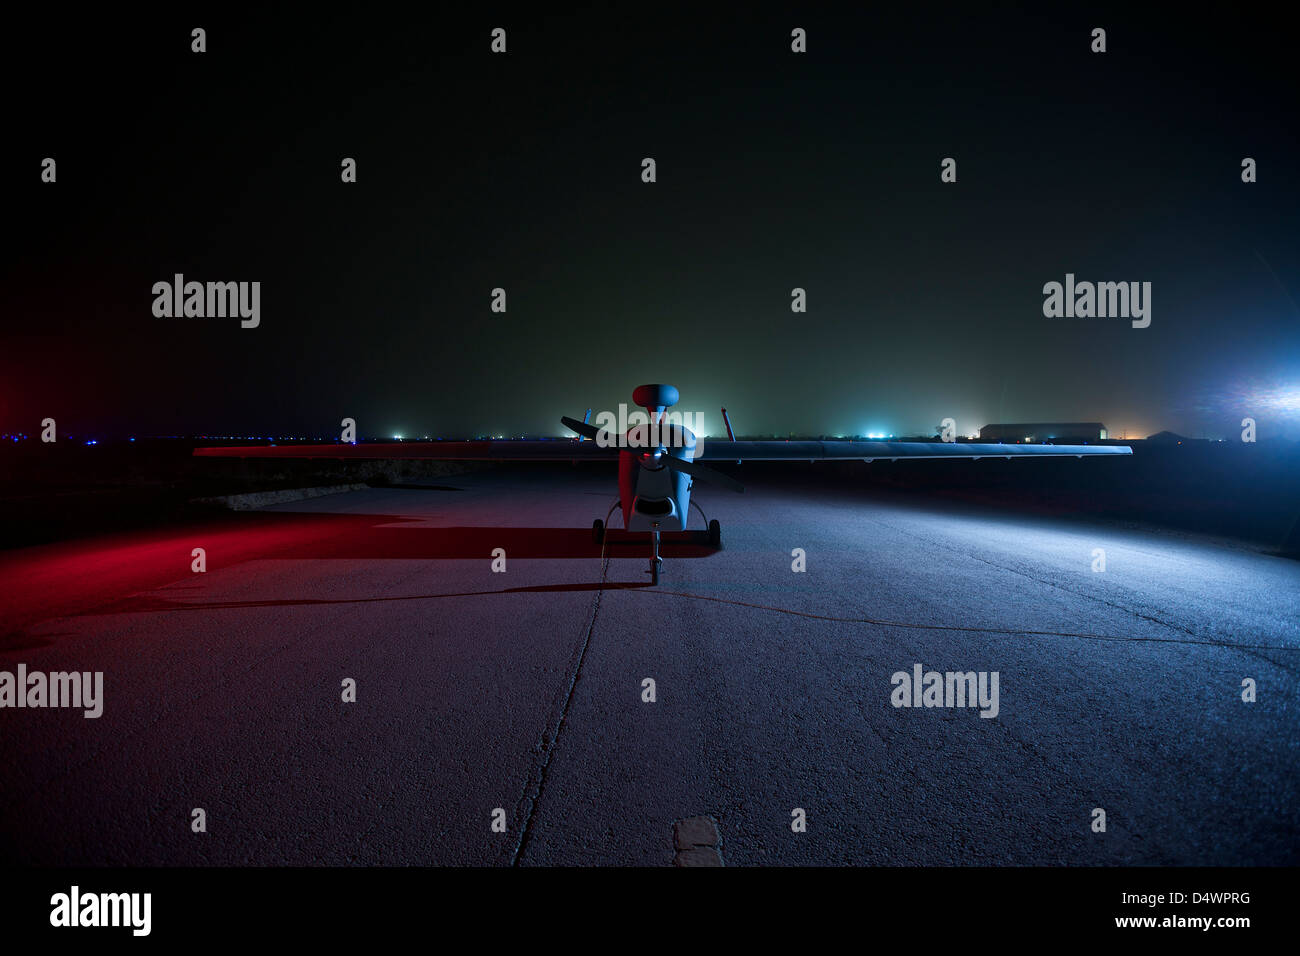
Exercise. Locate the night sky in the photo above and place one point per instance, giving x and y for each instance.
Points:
(775, 171)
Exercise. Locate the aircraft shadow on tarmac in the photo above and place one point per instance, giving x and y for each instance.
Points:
(393, 537)
(306, 536)
(24, 641)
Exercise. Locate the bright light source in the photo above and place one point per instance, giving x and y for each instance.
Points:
(1279, 399)
(1288, 398)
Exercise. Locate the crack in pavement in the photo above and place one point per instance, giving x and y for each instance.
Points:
(546, 743)
(972, 628)
(1248, 649)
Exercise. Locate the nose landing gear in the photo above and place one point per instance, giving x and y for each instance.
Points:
(655, 560)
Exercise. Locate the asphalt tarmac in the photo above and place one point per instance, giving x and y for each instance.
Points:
(522, 690)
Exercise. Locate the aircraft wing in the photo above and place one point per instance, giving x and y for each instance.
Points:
(889, 450)
(555, 449)
(561, 449)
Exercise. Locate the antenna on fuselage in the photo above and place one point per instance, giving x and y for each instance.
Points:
(731, 436)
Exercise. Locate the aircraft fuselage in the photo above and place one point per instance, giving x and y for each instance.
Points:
(651, 494)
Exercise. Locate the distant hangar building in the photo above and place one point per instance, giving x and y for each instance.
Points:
(1063, 432)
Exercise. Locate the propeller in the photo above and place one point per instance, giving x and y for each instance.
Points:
(702, 472)
(692, 468)
(584, 429)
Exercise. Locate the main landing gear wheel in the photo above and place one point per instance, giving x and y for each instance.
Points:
(715, 534)
(598, 531)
